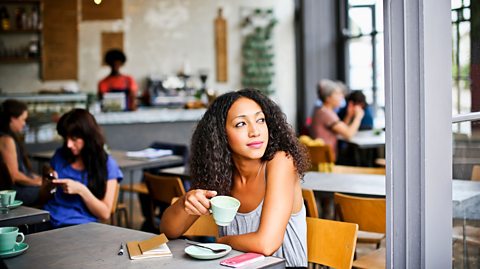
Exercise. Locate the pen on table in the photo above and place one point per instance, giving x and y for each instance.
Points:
(120, 251)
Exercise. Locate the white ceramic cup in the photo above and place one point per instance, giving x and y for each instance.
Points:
(224, 209)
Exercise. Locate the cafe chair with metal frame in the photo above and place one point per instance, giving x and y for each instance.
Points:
(370, 215)
(331, 243)
(162, 189)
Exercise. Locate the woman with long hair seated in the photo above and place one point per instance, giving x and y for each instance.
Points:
(13, 117)
(87, 176)
(244, 147)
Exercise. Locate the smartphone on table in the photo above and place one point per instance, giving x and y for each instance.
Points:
(242, 259)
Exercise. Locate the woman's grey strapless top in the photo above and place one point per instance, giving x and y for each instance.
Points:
(294, 246)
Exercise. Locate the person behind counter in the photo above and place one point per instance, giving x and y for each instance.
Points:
(117, 82)
(87, 176)
(13, 117)
(244, 147)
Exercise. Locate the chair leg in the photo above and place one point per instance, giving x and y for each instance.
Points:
(125, 214)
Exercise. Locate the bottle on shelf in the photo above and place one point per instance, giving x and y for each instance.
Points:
(4, 18)
(20, 18)
(33, 19)
(33, 48)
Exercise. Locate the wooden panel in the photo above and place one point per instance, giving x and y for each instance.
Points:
(221, 47)
(106, 10)
(111, 41)
(60, 40)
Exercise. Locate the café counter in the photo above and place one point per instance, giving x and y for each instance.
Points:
(136, 130)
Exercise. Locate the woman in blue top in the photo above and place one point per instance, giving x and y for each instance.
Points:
(87, 175)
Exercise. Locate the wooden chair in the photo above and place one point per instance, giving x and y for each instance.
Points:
(370, 215)
(203, 226)
(162, 189)
(117, 209)
(321, 156)
(310, 202)
(475, 173)
(331, 243)
(344, 169)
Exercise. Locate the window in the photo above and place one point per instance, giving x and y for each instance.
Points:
(363, 33)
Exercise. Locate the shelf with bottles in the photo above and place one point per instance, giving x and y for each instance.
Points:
(20, 31)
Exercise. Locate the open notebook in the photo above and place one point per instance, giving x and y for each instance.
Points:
(150, 248)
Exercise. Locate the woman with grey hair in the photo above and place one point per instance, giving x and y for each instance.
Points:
(325, 122)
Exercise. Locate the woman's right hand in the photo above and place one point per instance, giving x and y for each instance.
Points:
(196, 202)
(359, 112)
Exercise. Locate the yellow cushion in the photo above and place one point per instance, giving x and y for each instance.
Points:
(307, 140)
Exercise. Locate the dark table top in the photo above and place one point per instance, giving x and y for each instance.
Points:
(95, 245)
(23, 215)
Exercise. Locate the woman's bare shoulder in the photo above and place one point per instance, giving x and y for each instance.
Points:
(281, 161)
(6, 141)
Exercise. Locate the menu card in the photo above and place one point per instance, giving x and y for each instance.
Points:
(150, 248)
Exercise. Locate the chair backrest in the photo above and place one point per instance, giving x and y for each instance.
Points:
(321, 156)
(331, 243)
(310, 202)
(163, 188)
(115, 200)
(204, 226)
(475, 173)
(368, 213)
(345, 169)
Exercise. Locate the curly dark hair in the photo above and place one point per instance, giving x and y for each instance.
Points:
(211, 164)
(81, 124)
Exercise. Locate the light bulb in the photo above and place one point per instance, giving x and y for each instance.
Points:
(98, 2)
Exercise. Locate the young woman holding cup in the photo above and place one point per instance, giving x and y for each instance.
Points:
(244, 147)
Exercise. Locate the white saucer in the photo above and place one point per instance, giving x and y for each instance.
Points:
(205, 254)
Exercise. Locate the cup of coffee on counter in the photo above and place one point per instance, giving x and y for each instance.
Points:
(8, 238)
(224, 209)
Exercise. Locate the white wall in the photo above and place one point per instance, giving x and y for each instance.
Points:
(161, 35)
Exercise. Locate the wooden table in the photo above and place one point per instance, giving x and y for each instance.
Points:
(127, 165)
(95, 245)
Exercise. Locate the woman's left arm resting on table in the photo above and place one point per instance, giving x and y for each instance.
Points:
(276, 212)
(99, 208)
